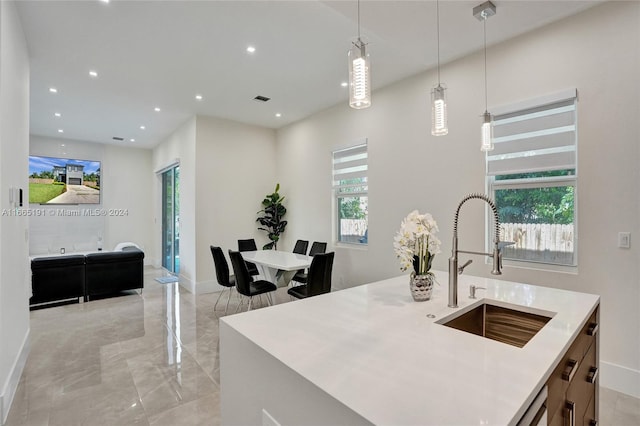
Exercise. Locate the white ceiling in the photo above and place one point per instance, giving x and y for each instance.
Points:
(161, 53)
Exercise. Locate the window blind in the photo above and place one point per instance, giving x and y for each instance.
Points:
(350, 170)
(537, 139)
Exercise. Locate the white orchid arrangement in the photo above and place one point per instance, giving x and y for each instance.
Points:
(416, 243)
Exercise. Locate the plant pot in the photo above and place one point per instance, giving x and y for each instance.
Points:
(421, 286)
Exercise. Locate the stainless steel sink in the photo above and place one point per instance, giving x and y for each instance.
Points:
(504, 324)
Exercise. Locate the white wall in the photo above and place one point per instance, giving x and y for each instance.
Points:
(235, 169)
(126, 193)
(226, 168)
(14, 264)
(597, 52)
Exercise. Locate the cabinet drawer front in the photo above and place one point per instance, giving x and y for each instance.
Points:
(582, 388)
(590, 414)
(585, 339)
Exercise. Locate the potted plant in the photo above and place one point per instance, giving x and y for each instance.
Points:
(271, 220)
(416, 245)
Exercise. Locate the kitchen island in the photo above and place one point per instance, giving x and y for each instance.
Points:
(371, 355)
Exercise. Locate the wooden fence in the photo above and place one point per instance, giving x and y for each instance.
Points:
(353, 227)
(538, 236)
(541, 242)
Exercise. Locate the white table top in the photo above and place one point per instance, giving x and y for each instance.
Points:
(375, 350)
(282, 260)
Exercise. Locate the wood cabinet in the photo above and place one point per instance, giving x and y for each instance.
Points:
(573, 385)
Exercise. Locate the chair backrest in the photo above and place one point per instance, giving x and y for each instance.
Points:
(241, 272)
(222, 267)
(301, 247)
(319, 278)
(317, 247)
(247, 245)
(326, 285)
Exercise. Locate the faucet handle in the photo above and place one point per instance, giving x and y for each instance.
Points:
(461, 268)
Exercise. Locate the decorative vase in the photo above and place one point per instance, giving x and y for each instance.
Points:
(421, 286)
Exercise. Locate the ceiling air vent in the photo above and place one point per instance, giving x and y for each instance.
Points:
(116, 138)
(261, 98)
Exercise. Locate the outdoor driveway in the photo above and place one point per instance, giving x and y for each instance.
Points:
(77, 194)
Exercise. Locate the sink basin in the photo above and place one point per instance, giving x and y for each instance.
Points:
(501, 323)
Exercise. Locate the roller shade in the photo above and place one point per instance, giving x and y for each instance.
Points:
(535, 139)
(350, 170)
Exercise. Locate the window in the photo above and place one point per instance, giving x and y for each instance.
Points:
(350, 190)
(532, 175)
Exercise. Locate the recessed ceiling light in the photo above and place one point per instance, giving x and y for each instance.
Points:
(344, 84)
(60, 131)
(62, 145)
(57, 114)
(132, 140)
(53, 90)
(93, 74)
(198, 97)
(278, 115)
(251, 49)
(156, 109)
(142, 127)
(104, 1)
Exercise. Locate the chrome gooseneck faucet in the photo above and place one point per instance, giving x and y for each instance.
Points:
(454, 270)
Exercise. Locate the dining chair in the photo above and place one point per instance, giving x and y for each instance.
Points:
(301, 247)
(249, 245)
(222, 274)
(316, 248)
(319, 277)
(244, 284)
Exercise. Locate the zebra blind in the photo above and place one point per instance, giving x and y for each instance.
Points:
(350, 170)
(540, 138)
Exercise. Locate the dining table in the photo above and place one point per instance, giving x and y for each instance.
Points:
(277, 266)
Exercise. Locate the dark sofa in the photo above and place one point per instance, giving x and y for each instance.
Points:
(58, 278)
(111, 272)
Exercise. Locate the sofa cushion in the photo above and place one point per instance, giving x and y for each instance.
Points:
(112, 272)
(57, 261)
(114, 256)
(57, 278)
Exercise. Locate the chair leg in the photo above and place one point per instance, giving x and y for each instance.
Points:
(228, 300)
(240, 304)
(269, 299)
(250, 300)
(218, 299)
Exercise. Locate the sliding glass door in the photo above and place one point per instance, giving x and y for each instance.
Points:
(171, 219)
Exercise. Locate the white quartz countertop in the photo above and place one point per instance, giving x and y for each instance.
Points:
(375, 350)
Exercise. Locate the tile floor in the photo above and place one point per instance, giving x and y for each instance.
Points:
(148, 360)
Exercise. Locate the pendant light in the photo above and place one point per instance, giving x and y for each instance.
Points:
(359, 73)
(439, 125)
(483, 12)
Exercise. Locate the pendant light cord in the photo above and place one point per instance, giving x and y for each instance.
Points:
(438, 36)
(485, 65)
(358, 19)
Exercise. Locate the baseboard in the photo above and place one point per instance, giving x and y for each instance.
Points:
(619, 378)
(188, 284)
(11, 385)
(201, 287)
(209, 286)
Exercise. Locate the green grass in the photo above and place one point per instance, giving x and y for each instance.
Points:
(43, 192)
